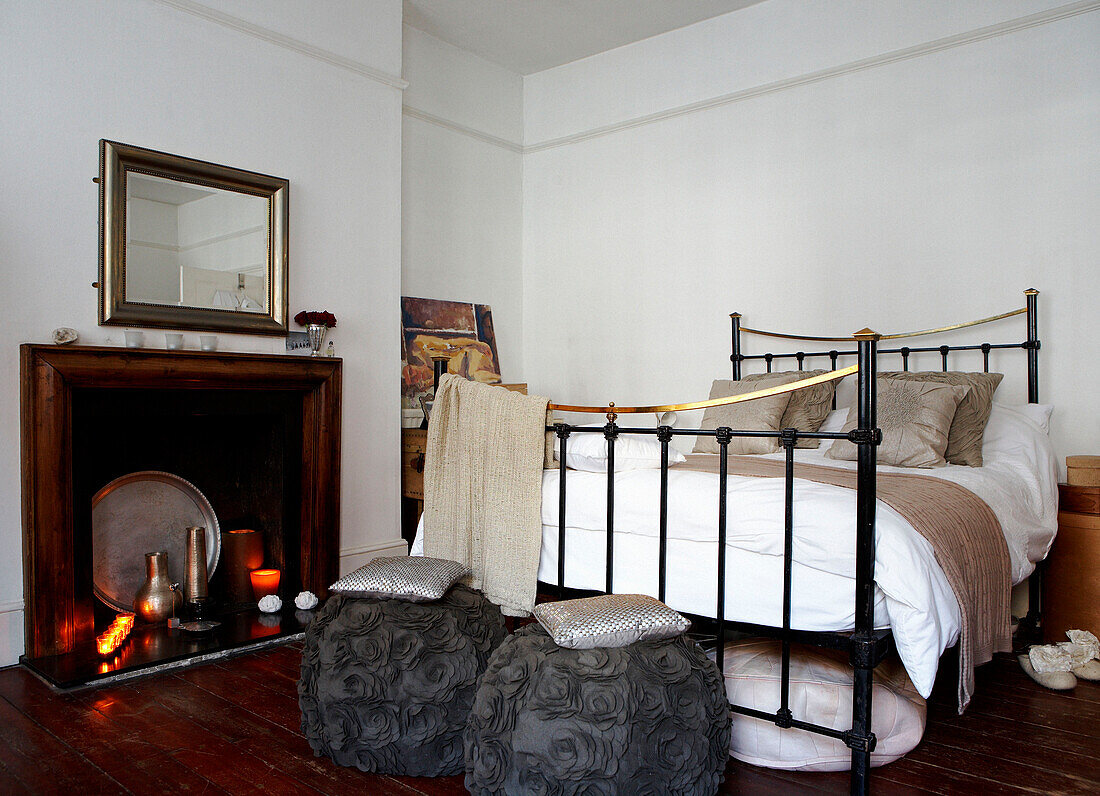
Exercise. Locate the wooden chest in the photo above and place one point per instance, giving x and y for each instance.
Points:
(1079, 499)
(414, 442)
(1071, 583)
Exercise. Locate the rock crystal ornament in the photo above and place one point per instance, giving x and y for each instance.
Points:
(64, 335)
(270, 604)
(306, 600)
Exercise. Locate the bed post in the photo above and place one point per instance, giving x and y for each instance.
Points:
(1032, 345)
(1035, 582)
(735, 356)
(866, 435)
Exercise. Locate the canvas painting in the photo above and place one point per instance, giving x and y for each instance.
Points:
(435, 327)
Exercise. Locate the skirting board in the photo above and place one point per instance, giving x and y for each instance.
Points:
(11, 632)
(352, 558)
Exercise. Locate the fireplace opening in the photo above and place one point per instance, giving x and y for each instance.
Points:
(255, 434)
(230, 444)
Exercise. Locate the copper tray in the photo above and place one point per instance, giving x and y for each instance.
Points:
(142, 513)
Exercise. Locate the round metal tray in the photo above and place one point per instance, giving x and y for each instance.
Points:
(142, 513)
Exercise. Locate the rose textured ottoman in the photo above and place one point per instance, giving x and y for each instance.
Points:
(647, 718)
(387, 684)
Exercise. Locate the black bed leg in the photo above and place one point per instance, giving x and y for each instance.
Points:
(860, 738)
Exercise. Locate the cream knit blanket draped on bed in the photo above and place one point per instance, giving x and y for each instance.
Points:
(483, 487)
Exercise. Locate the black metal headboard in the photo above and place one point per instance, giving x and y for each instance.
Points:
(1031, 345)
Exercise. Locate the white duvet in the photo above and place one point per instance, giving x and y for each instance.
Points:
(1018, 482)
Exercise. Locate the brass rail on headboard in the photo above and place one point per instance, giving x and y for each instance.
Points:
(610, 409)
(941, 329)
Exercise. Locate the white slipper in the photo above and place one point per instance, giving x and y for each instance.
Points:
(1057, 681)
(1089, 670)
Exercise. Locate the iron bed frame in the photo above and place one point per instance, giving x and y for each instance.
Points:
(866, 646)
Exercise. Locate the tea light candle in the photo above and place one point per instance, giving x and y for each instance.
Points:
(264, 582)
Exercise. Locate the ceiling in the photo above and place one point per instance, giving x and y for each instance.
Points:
(528, 36)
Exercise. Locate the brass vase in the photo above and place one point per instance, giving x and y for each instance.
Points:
(158, 598)
(195, 581)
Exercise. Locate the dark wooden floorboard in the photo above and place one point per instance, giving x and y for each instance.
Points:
(232, 727)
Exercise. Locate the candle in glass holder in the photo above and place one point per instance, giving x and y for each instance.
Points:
(264, 582)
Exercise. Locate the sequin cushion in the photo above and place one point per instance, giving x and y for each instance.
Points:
(609, 620)
(413, 578)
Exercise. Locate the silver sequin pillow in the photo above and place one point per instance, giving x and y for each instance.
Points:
(609, 620)
(415, 579)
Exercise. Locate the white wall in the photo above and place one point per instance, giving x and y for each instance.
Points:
(462, 186)
(819, 167)
(206, 86)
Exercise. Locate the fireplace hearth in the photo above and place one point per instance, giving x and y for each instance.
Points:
(257, 434)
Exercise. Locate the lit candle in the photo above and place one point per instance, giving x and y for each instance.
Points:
(116, 633)
(264, 582)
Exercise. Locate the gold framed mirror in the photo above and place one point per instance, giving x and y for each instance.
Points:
(186, 244)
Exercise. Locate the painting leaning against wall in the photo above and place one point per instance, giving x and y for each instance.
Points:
(459, 330)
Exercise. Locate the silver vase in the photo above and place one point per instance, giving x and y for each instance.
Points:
(316, 332)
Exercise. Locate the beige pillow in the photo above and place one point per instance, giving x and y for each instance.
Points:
(808, 407)
(762, 414)
(964, 440)
(609, 620)
(914, 416)
(821, 692)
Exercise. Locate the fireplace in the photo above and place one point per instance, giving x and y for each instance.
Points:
(257, 434)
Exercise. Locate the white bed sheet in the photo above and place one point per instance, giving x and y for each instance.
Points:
(1018, 482)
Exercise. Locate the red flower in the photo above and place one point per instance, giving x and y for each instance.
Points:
(306, 317)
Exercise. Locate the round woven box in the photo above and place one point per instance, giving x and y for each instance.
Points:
(648, 718)
(387, 685)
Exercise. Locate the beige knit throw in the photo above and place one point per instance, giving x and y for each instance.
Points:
(483, 487)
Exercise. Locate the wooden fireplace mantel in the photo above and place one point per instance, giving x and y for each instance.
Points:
(55, 615)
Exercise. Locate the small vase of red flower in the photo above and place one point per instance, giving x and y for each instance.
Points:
(317, 325)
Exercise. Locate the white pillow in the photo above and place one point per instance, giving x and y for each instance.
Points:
(1008, 417)
(834, 421)
(821, 692)
(587, 451)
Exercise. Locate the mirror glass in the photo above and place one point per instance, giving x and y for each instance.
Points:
(195, 246)
(189, 244)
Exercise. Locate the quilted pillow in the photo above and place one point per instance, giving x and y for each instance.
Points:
(762, 414)
(964, 440)
(609, 620)
(415, 579)
(808, 407)
(914, 416)
(821, 692)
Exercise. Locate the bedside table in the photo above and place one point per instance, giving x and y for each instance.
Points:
(414, 441)
(1071, 583)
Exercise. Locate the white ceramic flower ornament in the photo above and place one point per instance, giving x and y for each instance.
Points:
(306, 600)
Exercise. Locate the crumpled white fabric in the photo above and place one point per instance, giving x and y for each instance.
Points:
(1065, 656)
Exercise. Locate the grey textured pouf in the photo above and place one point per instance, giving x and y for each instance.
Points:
(648, 718)
(387, 685)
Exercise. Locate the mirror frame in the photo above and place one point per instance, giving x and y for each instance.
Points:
(115, 161)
